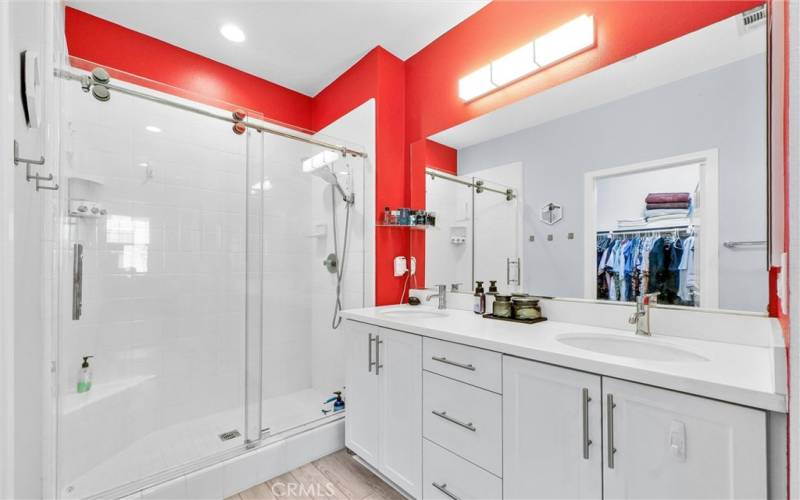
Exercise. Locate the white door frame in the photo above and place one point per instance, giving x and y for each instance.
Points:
(709, 226)
(6, 259)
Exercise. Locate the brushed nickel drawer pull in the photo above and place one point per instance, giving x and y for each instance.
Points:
(443, 488)
(444, 415)
(442, 359)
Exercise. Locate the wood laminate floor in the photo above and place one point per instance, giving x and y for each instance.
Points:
(336, 476)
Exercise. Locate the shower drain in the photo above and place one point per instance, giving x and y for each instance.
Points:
(227, 436)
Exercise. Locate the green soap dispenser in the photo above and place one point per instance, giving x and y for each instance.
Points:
(85, 376)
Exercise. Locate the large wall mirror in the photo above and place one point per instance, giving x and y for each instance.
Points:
(646, 176)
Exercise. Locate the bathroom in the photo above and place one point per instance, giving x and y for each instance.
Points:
(246, 243)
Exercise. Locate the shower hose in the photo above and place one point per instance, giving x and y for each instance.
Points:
(340, 259)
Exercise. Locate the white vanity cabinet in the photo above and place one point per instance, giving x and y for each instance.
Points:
(552, 433)
(383, 425)
(451, 420)
(564, 437)
(673, 445)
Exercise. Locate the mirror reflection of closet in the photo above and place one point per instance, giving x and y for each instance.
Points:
(687, 119)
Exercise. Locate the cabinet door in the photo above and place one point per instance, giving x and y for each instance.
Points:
(361, 419)
(551, 431)
(401, 409)
(672, 445)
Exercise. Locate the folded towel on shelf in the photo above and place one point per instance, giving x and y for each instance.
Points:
(641, 221)
(681, 204)
(680, 212)
(658, 218)
(667, 198)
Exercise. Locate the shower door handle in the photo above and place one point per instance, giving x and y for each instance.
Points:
(77, 281)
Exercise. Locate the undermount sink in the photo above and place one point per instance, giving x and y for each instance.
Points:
(413, 313)
(647, 349)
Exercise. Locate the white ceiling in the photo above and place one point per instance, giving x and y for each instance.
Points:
(303, 45)
(717, 45)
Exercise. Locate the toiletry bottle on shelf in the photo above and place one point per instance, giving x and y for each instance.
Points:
(387, 216)
(479, 306)
(85, 376)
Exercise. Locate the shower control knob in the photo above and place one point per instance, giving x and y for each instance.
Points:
(95, 210)
(103, 211)
(83, 208)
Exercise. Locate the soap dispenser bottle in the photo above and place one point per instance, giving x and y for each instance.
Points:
(85, 376)
(490, 295)
(338, 402)
(479, 306)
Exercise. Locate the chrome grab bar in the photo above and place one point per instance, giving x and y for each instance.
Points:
(736, 244)
(442, 359)
(443, 488)
(444, 415)
(585, 415)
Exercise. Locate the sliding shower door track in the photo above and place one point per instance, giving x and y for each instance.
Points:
(267, 439)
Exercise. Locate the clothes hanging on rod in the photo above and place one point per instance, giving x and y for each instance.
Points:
(662, 261)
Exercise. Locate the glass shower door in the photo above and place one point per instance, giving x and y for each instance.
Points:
(160, 281)
(497, 229)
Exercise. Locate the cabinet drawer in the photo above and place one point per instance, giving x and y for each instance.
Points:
(464, 419)
(455, 475)
(469, 364)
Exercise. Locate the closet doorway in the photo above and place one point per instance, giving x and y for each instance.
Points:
(671, 200)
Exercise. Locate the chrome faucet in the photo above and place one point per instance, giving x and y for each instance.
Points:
(442, 296)
(641, 318)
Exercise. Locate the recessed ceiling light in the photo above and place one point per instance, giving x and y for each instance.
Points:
(152, 128)
(144, 164)
(232, 33)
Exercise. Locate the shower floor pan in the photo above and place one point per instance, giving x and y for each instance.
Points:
(192, 440)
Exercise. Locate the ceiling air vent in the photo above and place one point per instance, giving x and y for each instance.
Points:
(754, 17)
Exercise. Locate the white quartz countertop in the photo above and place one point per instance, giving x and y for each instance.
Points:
(736, 373)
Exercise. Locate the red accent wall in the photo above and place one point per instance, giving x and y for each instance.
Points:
(624, 28)
(413, 99)
(190, 75)
(381, 76)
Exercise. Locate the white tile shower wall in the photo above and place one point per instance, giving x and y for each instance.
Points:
(357, 128)
(163, 275)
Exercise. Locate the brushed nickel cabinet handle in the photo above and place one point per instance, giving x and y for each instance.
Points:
(378, 364)
(442, 359)
(610, 429)
(444, 415)
(369, 353)
(443, 488)
(585, 424)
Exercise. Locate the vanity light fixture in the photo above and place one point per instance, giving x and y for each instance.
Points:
(153, 129)
(550, 48)
(232, 33)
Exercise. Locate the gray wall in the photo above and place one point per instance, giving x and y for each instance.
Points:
(724, 108)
